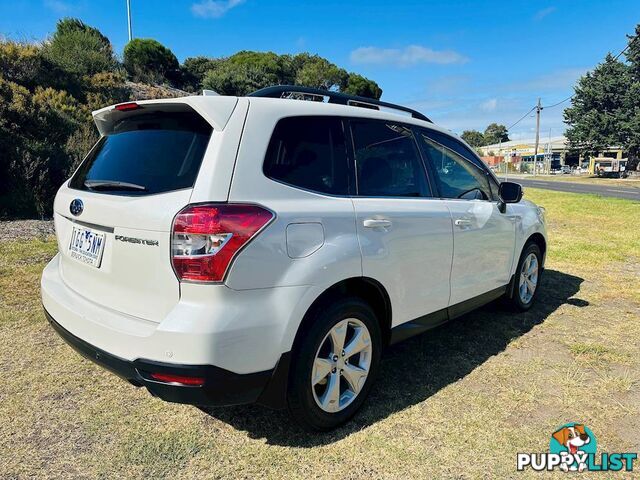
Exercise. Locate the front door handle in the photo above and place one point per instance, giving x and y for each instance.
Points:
(376, 223)
(462, 222)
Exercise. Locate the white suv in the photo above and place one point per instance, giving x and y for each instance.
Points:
(227, 250)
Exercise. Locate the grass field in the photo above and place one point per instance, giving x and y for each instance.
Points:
(457, 402)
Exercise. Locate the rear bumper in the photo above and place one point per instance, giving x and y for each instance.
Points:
(220, 387)
(239, 341)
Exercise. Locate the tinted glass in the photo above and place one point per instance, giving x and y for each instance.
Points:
(456, 146)
(465, 152)
(309, 152)
(388, 163)
(146, 154)
(456, 176)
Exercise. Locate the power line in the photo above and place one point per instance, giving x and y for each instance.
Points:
(561, 101)
(522, 118)
(626, 48)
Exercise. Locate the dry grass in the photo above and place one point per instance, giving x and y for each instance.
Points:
(459, 401)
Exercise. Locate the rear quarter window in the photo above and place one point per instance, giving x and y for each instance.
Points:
(309, 153)
(146, 154)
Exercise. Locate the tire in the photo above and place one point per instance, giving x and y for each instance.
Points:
(518, 300)
(303, 398)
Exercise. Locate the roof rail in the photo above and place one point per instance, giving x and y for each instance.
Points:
(286, 91)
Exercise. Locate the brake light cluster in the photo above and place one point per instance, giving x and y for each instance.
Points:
(127, 107)
(206, 238)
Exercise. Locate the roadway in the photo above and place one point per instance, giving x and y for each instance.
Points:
(613, 190)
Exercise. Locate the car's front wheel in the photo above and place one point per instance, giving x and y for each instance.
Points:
(527, 277)
(334, 365)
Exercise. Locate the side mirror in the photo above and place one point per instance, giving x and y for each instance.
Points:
(509, 192)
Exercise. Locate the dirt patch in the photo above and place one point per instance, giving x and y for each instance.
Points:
(25, 229)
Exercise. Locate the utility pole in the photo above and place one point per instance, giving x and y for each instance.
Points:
(129, 19)
(535, 152)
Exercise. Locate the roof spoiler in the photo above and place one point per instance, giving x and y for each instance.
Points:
(215, 110)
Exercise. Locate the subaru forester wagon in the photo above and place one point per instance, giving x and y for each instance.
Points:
(226, 250)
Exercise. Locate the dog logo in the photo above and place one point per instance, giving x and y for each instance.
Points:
(574, 439)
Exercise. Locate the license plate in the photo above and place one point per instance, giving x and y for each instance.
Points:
(86, 246)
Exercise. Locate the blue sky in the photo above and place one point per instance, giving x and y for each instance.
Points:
(464, 64)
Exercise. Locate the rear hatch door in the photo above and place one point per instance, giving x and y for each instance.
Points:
(114, 217)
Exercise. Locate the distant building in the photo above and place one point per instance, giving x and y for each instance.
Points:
(552, 153)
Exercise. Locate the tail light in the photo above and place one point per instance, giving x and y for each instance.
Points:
(206, 238)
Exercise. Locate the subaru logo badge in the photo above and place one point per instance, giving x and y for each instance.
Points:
(76, 207)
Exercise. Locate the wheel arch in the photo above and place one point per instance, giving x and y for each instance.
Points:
(539, 240)
(368, 289)
(365, 288)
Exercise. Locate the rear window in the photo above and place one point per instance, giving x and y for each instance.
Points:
(387, 160)
(146, 154)
(310, 153)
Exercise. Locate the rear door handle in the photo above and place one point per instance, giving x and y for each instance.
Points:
(462, 222)
(376, 223)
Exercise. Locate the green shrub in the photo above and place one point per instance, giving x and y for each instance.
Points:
(147, 60)
(359, 85)
(80, 49)
(318, 72)
(33, 131)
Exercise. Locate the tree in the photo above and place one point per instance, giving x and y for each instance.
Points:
(318, 72)
(632, 141)
(600, 115)
(247, 71)
(147, 60)
(495, 133)
(237, 79)
(359, 85)
(194, 70)
(633, 53)
(473, 138)
(80, 49)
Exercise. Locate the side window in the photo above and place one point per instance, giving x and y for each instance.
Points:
(310, 153)
(388, 162)
(464, 151)
(456, 146)
(456, 176)
(494, 187)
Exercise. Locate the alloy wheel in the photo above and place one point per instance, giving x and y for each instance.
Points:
(528, 278)
(341, 365)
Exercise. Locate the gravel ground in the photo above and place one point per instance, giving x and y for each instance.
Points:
(25, 229)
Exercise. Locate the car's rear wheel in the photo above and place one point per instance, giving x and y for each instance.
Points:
(527, 277)
(334, 365)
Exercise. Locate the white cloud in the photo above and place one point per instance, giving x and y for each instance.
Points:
(214, 8)
(489, 105)
(58, 6)
(540, 14)
(404, 57)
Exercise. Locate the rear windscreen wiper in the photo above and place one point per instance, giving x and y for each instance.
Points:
(112, 185)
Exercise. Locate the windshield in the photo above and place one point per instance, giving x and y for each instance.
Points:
(146, 154)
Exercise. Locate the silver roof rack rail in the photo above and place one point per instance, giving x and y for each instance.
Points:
(316, 94)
